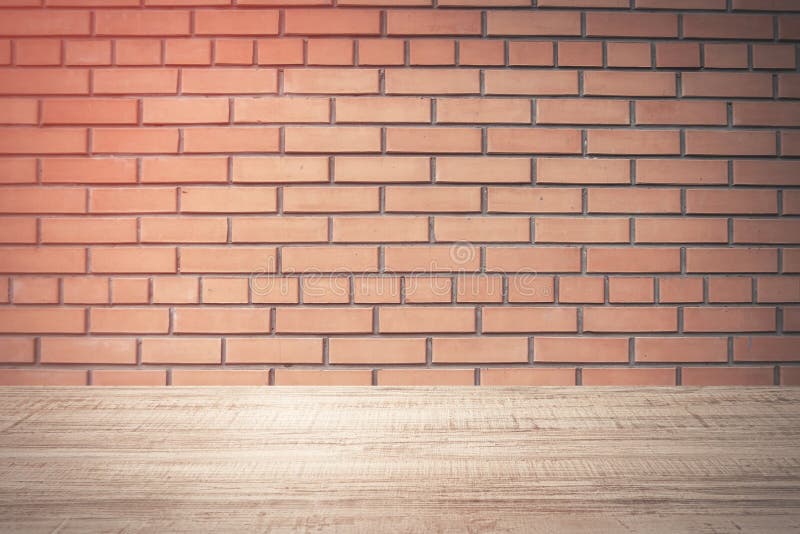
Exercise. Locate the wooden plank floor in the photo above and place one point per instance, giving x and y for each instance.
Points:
(378, 460)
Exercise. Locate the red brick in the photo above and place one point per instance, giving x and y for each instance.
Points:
(184, 110)
(25, 140)
(273, 350)
(727, 26)
(765, 349)
(433, 140)
(181, 350)
(531, 53)
(175, 290)
(677, 349)
(578, 54)
(623, 83)
(89, 111)
(790, 376)
(18, 230)
(681, 230)
(332, 22)
(130, 291)
(738, 260)
(564, 111)
(479, 288)
(41, 200)
(38, 52)
(482, 170)
(677, 54)
(225, 290)
(38, 22)
(184, 169)
(426, 319)
(325, 289)
(763, 231)
(133, 260)
(482, 110)
(531, 287)
(727, 376)
(88, 350)
(622, 54)
(765, 172)
(219, 377)
(137, 52)
(677, 171)
(480, 52)
(533, 23)
(291, 169)
(39, 290)
(332, 139)
(331, 81)
(680, 289)
(89, 230)
(30, 377)
(279, 230)
(376, 289)
(733, 201)
(381, 109)
(381, 229)
(377, 350)
(633, 260)
(630, 290)
(529, 319)
(581, 289)
(89, 170)
(18, 111)
(534, 200)
(633, 200)
(432, 52)
(730, 143)
(43, 81)
(184, 230)
(238, 22)
(381, 52)
(600, 24)
(309, 377)
(738, 319)
(534, 140)
(280, 109)
(382, 169)
(482, 229)
(233, 52)
(628, 376)
(480, 350)
(773, 56)
(581, 230)
(85, 290)
(280, 51)
(230, 139)
(725, 56)
(527, 82)
(630, 319)
(766, 114)
(730, 289)
(222, 259)
(222, 320)
(682, 113)
(187, 51)
(270, 289)
(138, 377)
(778, 289)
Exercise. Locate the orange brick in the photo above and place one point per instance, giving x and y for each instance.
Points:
(187, 51)
(564, 111)
(133, 260)
(479, 288)
(184, 230)
(38, 52)
(230, 139)
(582, 171)
(135, 140)
(18, 230)
(630, 319)
(18, 111)
(281, 109)
(280, 169)
(627, 376)
(329, 320)
(432, 199)
(24, 140)
(184, 110)
(129, 320)
(88, 350)
(184, 169)
(747, 143)
(42, 260)
(133, 200)
(39, 200)
(175, 290)
(681, 230)
(233, 52)
(221, 259)
(738, 319)
(44, 81)
(430, 22)
(281, 350)
(665, 112)
(633, 260)
(432, 52)
(26, 377)
(181, 350)
(634, 200)
(581, 289)
(90, 230)
(329, 259)
(377, 350)
(581, 230)
(432, 81)
(482, 170)
(382, 109)
(655, 142)
(533, 23)
(730, 84)
(482, 229)
(677, 171)
(530, 287)
(431, 258)
(332, 22)
(235, 81)
(630, 290)
(694, 349)
(85, 290)
(136, 81)
(428, 289)
(480, 350)
(426, 377)
(279, 230)
(228, 199)
(379, 229)
(271, 289)
(529, 319)
(528, 82)
(89, 170)
(534, 200)
(618, 83)
(308, 377)
(381, 51)
(531, 53)
(623, 54)
(219, 377)
(533, 140)
(137, 52)
(482, 110)
(608, 24)
(727, 376)
(332, 139)
(38, 22)
(236, 22)
(426, 319)
(140, 22)
(281, 51)
(89, 111)
(330, 199)
(376, 289)
(516, 376)
(139, 377)
(130, 291)
(580, 350)
(332, 289)
(222, 320)
(382, 169)
(744, 260)
(533, 259)
(331, 81)
(35, 290)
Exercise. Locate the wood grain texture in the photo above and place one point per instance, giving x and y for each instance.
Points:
(361, 459)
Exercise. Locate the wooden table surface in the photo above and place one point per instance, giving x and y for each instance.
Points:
(535, 460)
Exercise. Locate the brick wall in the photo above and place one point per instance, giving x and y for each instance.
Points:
(394, 192)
